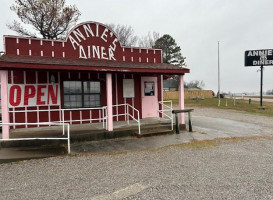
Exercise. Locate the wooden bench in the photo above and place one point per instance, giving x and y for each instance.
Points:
(176, 112)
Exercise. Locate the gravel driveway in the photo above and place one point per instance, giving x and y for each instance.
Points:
(224, 169)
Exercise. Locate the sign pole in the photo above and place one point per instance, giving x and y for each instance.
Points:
(261, 95)
(219, 98)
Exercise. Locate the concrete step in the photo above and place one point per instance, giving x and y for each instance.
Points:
(15, 154)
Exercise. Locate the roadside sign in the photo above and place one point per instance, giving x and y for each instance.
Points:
(262, 57)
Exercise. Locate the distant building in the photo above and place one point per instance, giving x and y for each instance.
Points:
(170, 85)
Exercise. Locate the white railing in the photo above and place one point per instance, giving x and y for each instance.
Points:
(134, 112)
(166, 110)
(41, 138)
(102, 111)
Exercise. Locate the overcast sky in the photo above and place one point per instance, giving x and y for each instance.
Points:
(197, 26)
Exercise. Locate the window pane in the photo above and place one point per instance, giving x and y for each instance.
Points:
(149, 88)
(92, 100)
(73, 96)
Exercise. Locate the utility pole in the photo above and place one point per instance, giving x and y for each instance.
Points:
(219, 99)
(261, 94)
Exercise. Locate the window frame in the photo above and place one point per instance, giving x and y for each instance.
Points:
(82, 93)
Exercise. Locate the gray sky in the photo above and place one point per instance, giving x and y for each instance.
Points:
(196, 25)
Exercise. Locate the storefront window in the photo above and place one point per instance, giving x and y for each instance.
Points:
(78, 94)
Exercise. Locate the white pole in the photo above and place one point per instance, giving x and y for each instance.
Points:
(219, 100)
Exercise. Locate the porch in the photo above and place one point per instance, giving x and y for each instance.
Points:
(88, 132)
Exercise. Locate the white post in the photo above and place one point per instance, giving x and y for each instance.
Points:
(181, 98)
(109, 101)
(4, 103)
(219, 98)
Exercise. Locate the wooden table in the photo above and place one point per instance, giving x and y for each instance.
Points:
(176, 112)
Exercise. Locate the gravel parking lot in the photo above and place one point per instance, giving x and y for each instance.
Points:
(222, 169)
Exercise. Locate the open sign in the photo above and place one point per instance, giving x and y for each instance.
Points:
(25, 95)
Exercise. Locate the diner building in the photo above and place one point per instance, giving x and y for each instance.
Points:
(89, 77)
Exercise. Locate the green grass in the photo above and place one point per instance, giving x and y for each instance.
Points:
(241, 105)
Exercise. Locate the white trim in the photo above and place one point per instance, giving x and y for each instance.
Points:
(53, 54)
(29, 52)
(18, 52)
(42, 53)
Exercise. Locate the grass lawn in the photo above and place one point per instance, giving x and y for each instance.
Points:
(241, 105)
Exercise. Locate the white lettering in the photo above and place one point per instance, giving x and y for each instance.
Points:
(114, 44)
(73, 42)
(255, 53)
(103, 35)
(87, 30)
(249, 53)
(103, 53)
(82, 53)
(111, 54)
(97, 30)
(96, 51)
(78, 34)
(89, 51)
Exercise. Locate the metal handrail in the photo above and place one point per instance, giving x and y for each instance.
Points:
(40, 138)
(62, 120)
(128, 115)
(163, 111)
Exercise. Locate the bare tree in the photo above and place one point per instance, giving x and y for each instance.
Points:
(50, 18)
(195, 84)
(125, 34)
(149, 40)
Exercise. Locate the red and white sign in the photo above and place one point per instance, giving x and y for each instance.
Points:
(25, 95)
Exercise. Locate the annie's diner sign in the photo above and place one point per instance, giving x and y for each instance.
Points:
(93, 41)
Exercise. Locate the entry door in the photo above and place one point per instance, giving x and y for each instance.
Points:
(149, 97)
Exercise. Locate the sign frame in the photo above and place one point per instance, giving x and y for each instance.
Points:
(260, 57)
